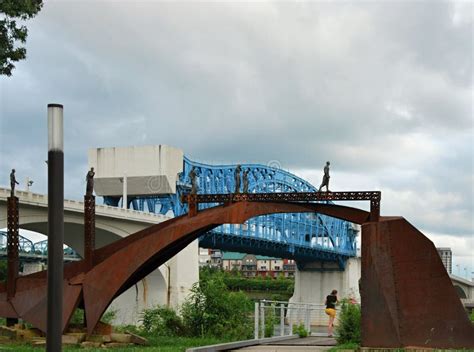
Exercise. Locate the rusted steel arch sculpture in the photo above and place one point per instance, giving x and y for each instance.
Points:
(118, 266)
(407, 296)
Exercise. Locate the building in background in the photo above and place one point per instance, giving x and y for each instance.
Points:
(447, 258)
(258, 265)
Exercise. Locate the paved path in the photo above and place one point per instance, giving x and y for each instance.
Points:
(307, 344)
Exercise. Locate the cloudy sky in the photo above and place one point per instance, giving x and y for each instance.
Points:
(384, 90)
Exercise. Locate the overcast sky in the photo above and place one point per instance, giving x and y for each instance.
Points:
(383, 90)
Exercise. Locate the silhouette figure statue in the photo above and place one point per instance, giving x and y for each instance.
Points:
(90, 182)
(13, 182)
(237, 178)
(325, 178)
(193, 178)
(245, 181)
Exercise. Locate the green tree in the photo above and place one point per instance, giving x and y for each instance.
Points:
(12, 31)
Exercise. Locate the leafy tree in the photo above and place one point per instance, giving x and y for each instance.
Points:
(11, 31)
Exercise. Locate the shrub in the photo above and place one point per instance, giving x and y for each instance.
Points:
(472, 316)
(270, 320)
(162, 321)
(349, 329)
(109, 316)
(300, 330)
(212, 310)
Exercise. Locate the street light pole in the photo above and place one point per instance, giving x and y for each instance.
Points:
(55, 227)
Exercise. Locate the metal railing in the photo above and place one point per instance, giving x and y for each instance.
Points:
(277, 318)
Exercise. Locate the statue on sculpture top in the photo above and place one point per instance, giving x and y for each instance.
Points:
(193, 178)
(13, 182)
(90, 182)
(325, 178)
(237, 178)
(245, 181)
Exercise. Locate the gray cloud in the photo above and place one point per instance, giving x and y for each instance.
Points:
(383, 90)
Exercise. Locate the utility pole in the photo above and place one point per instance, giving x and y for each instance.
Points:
(55, 227)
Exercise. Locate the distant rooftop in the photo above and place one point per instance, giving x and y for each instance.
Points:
(240, 256)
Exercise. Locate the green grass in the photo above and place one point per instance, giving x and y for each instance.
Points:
(345, 346)
(157, 344)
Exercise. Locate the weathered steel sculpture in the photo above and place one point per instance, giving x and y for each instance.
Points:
(245, 181)
(13, 182)
(90, 182)
(193, 179)
(13, 245)
(325, 178)
(238, 169)
(407, 296)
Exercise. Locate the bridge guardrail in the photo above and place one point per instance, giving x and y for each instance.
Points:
(286, 315)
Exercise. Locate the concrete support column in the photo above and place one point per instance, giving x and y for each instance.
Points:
(312, 285)
(124, 195)
(184, 273)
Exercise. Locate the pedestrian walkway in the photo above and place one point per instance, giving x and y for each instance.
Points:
(307, 344)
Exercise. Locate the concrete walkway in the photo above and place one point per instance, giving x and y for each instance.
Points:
(307, 344)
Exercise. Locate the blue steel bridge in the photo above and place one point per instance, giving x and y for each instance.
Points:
(300, 236)
(33, 252)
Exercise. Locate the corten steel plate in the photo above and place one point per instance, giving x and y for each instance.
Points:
(407, 296)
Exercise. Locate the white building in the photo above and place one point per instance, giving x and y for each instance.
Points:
(447, 258)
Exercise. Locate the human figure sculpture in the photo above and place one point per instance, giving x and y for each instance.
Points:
(90, 182)
(325, 178)
(13, 182)
(237, 178)
(193, 178)
(245, 181)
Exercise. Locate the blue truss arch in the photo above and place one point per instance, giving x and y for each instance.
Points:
(301, 236)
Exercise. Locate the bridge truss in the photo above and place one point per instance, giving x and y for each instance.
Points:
(32, 252)
(301, 236)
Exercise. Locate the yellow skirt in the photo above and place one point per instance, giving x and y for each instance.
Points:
(331, 312)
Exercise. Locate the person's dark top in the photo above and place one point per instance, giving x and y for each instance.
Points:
(331, 301)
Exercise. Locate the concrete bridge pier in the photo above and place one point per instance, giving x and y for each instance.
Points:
(315, 281)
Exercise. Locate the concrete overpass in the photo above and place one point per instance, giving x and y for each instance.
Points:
(168, 285)
(465, 290)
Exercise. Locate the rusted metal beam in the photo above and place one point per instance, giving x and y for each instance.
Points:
(89, 229)
(13, 261)
(373, 196)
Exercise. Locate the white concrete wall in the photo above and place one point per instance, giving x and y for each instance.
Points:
(149, 169)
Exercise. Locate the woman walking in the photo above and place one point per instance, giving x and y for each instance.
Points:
(331, 301)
